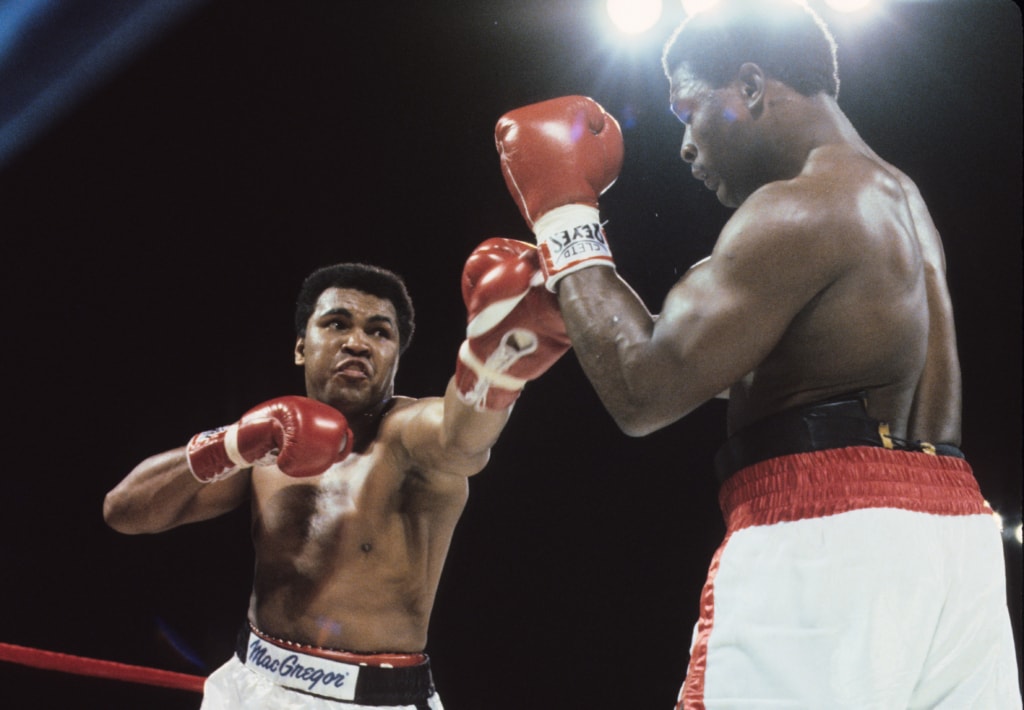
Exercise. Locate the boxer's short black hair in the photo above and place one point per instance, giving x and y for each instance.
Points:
(373, 280)
(787, 39)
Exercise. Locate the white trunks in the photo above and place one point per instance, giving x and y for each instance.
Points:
(858, 578)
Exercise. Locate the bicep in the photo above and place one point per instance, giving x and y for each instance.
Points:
(717, 324)
(219, 497)
(445, 435)
(727, 314)
(649, 370)
(714, 328)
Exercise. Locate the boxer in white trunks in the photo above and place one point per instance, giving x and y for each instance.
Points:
(355, 492)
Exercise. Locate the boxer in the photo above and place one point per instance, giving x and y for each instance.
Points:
(355, 491)
(860, 567)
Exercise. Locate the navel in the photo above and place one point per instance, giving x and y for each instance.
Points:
(366, 547)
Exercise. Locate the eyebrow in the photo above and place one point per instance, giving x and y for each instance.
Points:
(348, 314)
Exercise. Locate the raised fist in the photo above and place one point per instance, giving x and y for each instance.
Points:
(558, 157)
(302, 436)
(515, 330)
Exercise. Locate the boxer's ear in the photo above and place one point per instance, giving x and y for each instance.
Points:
(751, 81)
(300, 351)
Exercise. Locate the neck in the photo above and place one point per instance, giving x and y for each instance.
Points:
(365, 425)
(804, 124)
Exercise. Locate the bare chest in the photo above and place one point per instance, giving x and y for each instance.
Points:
(354, 505)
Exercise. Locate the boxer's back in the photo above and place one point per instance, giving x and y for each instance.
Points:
(869, 328)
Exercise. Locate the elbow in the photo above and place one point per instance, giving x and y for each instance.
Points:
(637, 418)
(117, 514)
(635, 428)
(470, 463)
(634, 421)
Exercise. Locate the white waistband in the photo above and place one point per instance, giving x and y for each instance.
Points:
(302, 671)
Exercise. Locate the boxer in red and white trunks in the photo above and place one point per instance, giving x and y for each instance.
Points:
(857, 571)
(355, 492)
(853, 576)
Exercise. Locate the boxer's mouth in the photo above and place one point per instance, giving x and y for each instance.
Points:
(710, 181)
(355, 369)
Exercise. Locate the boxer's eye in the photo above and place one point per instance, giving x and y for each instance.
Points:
(682, 112)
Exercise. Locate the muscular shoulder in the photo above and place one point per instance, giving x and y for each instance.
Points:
(925, 229)
(821, 220)
(402, 413)
(786, 232)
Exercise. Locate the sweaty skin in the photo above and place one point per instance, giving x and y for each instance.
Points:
(829, 278)
(349, 559)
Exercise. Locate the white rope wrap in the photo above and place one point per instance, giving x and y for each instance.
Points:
(514, 345)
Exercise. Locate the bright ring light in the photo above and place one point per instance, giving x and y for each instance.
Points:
(634, 16)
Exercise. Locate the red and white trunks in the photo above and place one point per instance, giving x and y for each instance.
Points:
(856, 578)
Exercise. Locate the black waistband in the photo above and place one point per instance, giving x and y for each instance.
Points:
(831, 424)
(411, 685)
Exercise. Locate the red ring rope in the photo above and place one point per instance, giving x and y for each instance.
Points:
(50, 660)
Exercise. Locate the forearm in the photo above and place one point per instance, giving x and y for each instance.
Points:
(611, 331)
(159, 494)
(468, 432)
(558, 157)
(446, 434)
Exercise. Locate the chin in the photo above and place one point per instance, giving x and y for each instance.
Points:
(727, 198)
(344, 401)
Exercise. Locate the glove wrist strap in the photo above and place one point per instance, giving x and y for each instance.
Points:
(225, 438)
(231, 446)
(571, 238)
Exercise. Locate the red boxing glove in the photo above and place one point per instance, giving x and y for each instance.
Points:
(558, 157)
(302, 436)
(515, 330)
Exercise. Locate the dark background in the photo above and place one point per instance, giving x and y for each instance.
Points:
(156, 232)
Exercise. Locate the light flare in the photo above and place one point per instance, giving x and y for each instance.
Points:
(634, 16)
